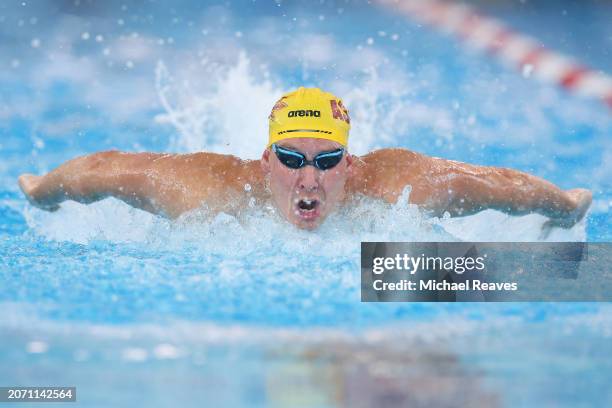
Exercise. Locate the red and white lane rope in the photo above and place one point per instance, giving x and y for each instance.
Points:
(515, 49)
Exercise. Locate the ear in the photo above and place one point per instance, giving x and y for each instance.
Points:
(265, 161)
(350, 159)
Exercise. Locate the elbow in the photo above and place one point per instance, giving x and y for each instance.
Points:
(86, 178)
(98, 161)
(90, 163)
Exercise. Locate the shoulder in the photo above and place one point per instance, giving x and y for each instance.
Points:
(225, 165)
(203, 158)
(388, 156)
(384, 173)
(394, 163)
(222, 171)
(192, 170)
(195, 163)
(217, 179)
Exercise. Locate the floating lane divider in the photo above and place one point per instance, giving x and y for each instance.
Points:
(512, 48)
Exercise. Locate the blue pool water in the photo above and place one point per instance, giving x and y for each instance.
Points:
(133, 309)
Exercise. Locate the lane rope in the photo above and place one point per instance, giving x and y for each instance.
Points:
(508, 46)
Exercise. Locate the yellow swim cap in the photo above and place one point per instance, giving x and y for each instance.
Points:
(309, 112)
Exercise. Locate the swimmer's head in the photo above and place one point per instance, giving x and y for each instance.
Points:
(309, 112)
(306, 162)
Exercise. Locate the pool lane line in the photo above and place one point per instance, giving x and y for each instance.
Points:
(510, 47)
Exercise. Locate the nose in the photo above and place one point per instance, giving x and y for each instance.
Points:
(309, 178)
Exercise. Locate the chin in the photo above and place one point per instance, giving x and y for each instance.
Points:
(308, 225)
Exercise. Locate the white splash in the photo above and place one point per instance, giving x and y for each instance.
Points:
(225, 108)
(226, 113)
(255, 228)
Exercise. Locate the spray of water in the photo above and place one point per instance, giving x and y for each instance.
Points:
(226, 112)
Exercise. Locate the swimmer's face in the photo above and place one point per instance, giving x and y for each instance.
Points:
(307, 195)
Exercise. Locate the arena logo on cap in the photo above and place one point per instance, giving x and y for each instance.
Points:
(309, 112)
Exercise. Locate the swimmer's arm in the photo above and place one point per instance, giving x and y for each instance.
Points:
(469, 189)
(135, 178)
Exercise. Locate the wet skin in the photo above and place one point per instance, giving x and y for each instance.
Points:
(172, 184)
(306, 196)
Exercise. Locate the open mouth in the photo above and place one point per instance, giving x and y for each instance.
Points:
(307, 209)
(307, 205)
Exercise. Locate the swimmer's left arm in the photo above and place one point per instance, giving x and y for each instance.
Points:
(470, 189)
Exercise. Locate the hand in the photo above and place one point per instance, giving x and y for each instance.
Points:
(582, 199)
(28, 184)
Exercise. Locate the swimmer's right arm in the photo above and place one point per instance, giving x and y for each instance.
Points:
(135, 178)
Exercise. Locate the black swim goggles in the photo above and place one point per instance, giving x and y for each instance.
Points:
(297, 160)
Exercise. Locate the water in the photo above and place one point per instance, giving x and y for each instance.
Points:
(133, 309)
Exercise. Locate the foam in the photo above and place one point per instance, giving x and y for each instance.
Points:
(362, 220)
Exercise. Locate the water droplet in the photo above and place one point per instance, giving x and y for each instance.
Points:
(37, 347)
(135, 354)
(166, 351)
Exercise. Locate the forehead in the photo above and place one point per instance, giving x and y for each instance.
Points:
(309, 144)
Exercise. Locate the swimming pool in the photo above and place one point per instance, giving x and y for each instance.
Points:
(247, 311)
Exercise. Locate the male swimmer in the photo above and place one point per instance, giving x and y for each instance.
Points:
(306, 172)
